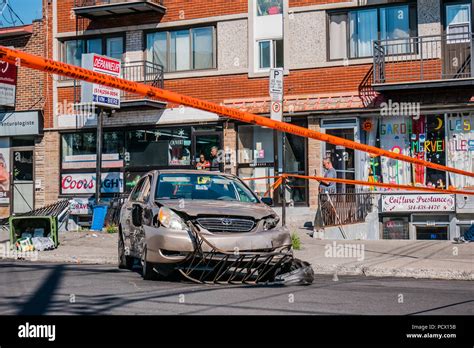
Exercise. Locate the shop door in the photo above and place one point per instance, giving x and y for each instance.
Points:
(343, 159)
(203, 143)
(432, 233)
(23, 189)
(457, 46)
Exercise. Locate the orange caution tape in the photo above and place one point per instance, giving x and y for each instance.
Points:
(362, 183)
(54, 67)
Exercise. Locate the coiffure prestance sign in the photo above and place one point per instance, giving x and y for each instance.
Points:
(98, 94)
(85, 183)
(418, 203)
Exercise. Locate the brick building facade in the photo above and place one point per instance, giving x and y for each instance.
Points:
(341, 73)
(22, 146)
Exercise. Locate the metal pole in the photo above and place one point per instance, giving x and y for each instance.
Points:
(98, 172)
(283, 135)
(283, 183)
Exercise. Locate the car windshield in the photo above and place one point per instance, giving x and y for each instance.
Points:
(198, 186)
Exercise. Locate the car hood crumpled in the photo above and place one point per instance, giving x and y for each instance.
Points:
(196, 208)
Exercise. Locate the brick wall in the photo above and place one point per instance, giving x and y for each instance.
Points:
(219, 88)
(298, 3)
(175, 10)
(50, 178)
(229, 144)
(31, 83)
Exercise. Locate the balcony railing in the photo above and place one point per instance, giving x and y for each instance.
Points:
(142, 71)
(87, 3)
(101, 8)
(441, 58)
(345, 208)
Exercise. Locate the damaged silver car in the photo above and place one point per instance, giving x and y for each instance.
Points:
(207, 226)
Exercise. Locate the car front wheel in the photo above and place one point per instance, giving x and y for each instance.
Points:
(147, 268)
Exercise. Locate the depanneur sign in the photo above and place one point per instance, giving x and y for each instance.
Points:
(418, 203)
(98, 94)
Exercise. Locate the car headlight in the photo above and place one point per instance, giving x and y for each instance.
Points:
(270, 223)
(170, 219)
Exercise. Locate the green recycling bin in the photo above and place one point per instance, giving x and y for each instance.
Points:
(39, 226)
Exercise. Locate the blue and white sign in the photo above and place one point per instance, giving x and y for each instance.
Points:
(97, 94)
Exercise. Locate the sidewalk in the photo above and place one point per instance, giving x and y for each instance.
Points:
(389, 258)
(381, 258)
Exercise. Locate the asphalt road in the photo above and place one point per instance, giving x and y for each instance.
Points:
(41, 288)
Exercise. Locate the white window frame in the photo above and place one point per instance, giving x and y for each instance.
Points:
(448, 27)
(273, 48)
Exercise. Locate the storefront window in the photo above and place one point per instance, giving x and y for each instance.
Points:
(460, 129)
(113, 143)
(422, 138)
(79, 150)
(159, 147)
(255, 145)
(260, 187)
(395, 228)
(78, 144)
(435, 148)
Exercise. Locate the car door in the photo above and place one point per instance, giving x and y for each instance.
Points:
(128, 228)
(142, 214)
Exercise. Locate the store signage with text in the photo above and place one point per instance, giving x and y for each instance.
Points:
(97, 94)
(85, 183)
(109, 160)
(8, 80)
(417, 203)
(80, 206)
(19, 123)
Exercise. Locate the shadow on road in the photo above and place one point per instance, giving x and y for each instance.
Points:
(40, 300)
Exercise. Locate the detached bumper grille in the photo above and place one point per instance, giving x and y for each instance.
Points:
(226, 224)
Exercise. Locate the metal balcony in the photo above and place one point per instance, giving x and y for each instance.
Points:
(423, 62)
(145, 72)
(93, 9)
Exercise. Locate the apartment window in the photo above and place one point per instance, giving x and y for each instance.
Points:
(362, 32)
(361, 27)
(269, 7)
(182, 50)
(114, 47)
(458, 21)
(270, 54)
(74, 49)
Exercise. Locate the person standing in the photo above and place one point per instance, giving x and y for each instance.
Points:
(215, 165)
(330, 173)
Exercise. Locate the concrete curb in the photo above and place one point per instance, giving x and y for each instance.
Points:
(442, 274)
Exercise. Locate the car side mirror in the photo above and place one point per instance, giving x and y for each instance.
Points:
(137, 215)
(267, 200)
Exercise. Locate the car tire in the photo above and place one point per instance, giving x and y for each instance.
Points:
(147, 268)
(124, 261)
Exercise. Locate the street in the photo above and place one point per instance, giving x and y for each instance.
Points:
(54, 289)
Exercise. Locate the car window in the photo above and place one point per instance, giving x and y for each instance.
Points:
(146, 189)
(136, 191)
(206, 187)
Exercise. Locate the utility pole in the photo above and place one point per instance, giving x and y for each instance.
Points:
(98, 171)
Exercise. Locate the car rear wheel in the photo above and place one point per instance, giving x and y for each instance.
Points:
(147, 268)
(124, 261)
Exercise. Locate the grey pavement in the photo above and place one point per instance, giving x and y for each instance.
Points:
(36, 288)
(389, 258)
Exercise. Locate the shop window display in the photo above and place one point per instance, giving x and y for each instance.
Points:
(441, 139)
(159, 147)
